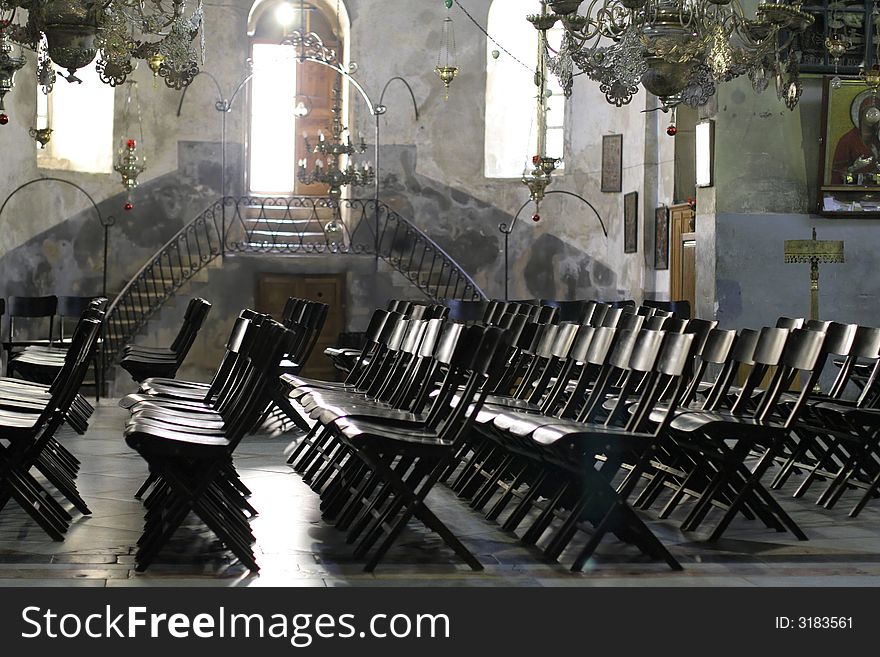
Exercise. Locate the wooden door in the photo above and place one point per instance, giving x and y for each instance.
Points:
(273, 291)
(683, 256)
(315, 85)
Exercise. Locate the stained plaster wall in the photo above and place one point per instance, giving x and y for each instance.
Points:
(431, 170)
(766, 163)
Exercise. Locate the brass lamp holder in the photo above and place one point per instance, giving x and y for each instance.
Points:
(814, 252)
(539, 179)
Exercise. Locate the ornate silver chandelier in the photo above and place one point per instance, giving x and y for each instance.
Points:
(337, 174)
(70, 34)
(679, 50)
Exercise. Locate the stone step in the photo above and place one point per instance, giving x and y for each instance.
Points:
(282, 211)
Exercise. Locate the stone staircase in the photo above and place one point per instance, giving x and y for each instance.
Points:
(299, 226)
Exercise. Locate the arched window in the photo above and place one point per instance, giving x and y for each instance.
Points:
(511, 130)
(81, 118)
(290, 99)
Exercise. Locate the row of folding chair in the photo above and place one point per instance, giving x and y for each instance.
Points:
(30, 415)
(303, 319)
(713, 452)
(392, 340)
(187, 433)
(571, 373)
(344, 358)
(40, 363)
(577, 311)
(37, 367)
(670, 413)
(380, 440)
(42, 319)
(837, 440)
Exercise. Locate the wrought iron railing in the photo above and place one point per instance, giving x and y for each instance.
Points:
(181, 258)
(284, 226)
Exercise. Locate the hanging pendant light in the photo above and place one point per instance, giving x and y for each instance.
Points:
(446, 68)
(10, 63)
(130, 162)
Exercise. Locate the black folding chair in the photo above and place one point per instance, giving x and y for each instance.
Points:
(30, 438)
(190, 455)
(145, 362)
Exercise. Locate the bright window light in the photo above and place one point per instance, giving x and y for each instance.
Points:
(704, 147)
(285, 14)
(81, 117)
(273, 133)
(511, 130)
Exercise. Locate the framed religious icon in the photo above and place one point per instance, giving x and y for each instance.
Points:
(630, 222)
(849, 179)
(612, 163)
(661, 238)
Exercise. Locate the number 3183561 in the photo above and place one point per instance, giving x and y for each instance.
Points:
(814, 622)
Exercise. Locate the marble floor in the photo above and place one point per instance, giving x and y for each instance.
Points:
(296, 548)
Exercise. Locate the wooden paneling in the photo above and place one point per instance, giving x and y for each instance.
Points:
(316, 83)
(273, 291)
(682, 261)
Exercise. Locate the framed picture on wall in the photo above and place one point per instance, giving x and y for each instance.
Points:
(661, 238)
(612, 163)
(849, 176)
(630, 222)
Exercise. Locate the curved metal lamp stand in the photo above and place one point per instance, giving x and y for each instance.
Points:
(105, 223)
(224, 106)
(506, 230)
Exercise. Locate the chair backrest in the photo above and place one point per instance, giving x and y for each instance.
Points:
(714, 349)
(437, 311)
(547, 314)
(71, 374)
(232, 354)
(630, 322)
(292, 311)
(790, 323)
(374, 328)
(313, 320)
(597, 317)
(768, 352)
(817, 324)
(196, 313)
(33, 308)
(399, 306)
(866, 345)
(839, 339)
(188, 315)
(700, 328)
(471, 366)
(611, 317)
(467, 311)
(634, 356)
(668, 379)
(680, 308)
(73, 308)
(803, 354)
(675, 325)
(740, 353)
(578, 311)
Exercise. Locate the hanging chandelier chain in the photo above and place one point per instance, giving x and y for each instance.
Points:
(491, 38)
